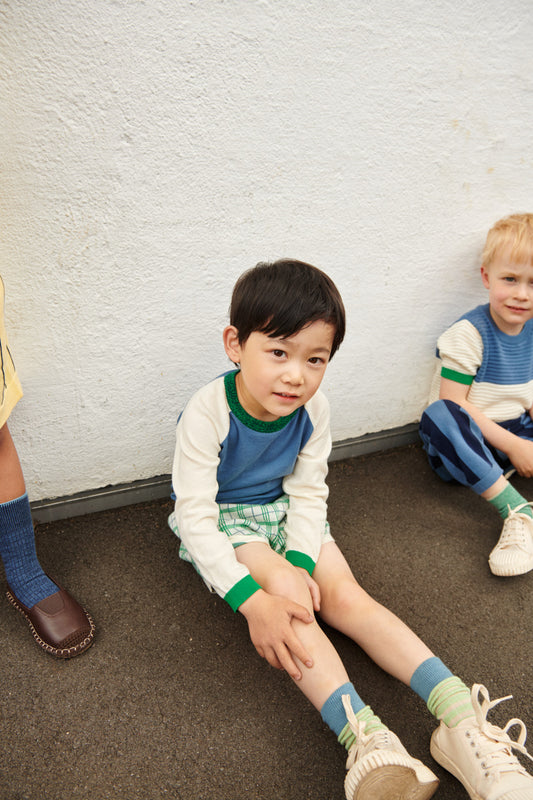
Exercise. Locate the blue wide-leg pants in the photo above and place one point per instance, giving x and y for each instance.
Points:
(457, 450)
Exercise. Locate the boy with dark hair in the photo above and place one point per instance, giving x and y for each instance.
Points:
(478, 428)
(249, 477)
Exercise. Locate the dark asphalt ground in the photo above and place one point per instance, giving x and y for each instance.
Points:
(172, 700)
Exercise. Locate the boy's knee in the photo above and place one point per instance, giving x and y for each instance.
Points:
(439, 411)
(443, 418)
(287, 581)
(341, 595)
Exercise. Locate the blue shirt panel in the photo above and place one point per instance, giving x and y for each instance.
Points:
(506, 359)
(253, 463)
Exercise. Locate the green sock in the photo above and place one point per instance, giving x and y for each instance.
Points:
(450, 702)
(507, 499)
(372, 723)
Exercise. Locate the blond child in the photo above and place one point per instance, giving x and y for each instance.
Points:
(478, 428)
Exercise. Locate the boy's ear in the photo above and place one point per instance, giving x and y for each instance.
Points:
(485, 276)
(232, 346)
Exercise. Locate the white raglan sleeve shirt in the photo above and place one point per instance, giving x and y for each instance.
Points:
(202, 427)
(460, 356)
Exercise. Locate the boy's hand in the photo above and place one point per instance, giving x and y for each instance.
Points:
(269, 618)
(313, 587)
(521, 456)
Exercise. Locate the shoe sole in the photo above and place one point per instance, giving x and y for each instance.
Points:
(501, 572)
(442, 759)
(69, 652)
(393, 782)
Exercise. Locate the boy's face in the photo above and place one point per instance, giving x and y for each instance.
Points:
(277, 376)
(510, 286)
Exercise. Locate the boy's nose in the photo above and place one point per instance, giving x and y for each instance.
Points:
(293, 374)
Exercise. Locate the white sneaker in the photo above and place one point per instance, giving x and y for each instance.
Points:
(481, 756)
(513, 555)
(379, 766)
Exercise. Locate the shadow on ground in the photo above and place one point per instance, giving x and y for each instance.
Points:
(173, 702)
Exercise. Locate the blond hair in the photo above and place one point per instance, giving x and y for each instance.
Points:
(514, 231)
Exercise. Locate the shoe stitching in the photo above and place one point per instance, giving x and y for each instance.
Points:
(69, 652)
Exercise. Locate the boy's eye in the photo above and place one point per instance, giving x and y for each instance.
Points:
(278, 353)
(509, 279)
(316, 360)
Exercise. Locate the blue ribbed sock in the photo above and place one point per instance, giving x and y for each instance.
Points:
(333, 712)
(334, 715)
(445, 694)
(430, 673)
(24, 574)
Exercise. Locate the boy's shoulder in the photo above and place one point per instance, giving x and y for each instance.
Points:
(208, 400)
(478, 316)
(212, 400)
(481, 319)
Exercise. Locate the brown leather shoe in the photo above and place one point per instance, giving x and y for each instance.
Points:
(58, 623)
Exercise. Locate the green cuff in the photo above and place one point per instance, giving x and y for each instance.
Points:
(242, 590)
(298, 559)
(458, 377)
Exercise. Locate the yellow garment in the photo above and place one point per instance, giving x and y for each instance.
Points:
(10, 388)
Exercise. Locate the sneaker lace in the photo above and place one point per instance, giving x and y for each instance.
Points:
(493, 745)
(379, 740)
(514, 530)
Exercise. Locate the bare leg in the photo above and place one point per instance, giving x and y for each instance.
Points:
(11, 477)
(496, 488)
(379, 761)
(348, 608)
(278, 577)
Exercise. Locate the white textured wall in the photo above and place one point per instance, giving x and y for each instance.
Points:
(151, 150)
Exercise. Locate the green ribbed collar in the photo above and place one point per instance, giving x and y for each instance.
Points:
(246, 418)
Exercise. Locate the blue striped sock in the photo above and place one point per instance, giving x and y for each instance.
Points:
(24, 574)
(445, 694)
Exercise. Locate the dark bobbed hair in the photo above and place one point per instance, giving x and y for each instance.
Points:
(282, 297)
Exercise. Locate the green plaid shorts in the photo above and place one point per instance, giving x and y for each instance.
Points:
(252, 523)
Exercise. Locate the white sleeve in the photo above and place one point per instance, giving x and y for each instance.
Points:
(461, 348)
(201, 429)
(307, 489)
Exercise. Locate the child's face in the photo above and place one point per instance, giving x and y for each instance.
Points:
(277, 376)
(510, 286)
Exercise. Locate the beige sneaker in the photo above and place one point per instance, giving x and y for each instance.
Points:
(379, 766)
(513, 555)
(480, 754)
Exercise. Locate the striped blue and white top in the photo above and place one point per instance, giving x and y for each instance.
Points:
(497, 367)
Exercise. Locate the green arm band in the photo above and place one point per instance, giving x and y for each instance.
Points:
(298, 559)
(242, 590)
(458, 377)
